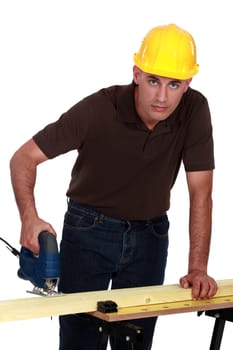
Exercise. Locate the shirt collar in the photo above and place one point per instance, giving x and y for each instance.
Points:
(126, 110)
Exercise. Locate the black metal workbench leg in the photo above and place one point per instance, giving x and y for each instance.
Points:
(103, 340)
(217, 334)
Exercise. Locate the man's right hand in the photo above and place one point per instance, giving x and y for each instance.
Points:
(30, 231)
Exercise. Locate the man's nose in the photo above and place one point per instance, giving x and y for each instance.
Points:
(161, 95)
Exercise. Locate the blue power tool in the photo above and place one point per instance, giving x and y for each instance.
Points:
(42, 270)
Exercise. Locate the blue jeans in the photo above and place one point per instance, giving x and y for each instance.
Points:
(96, 250)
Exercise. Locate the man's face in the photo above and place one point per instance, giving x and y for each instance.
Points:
(157, 97)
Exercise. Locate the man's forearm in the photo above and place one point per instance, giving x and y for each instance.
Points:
(200, 234)
(23, 166)
(23, 178)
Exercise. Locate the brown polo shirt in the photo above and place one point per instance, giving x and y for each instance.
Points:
(123, 169)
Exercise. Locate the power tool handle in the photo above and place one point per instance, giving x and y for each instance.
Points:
(48, 243)
(48, 260)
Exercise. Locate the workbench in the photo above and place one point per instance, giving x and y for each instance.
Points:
(130, 303)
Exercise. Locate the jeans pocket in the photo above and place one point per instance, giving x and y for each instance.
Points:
(80, 222)
(160, 227)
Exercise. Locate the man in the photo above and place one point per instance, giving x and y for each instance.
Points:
(131, 141)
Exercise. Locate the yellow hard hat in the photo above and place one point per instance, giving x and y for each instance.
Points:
(168, 51)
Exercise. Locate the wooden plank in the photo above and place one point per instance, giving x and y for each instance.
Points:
(129, 313)
(37, 307)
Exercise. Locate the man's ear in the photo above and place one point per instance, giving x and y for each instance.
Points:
(188, 81)
(136, 72)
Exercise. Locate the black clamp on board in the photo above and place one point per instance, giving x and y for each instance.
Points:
(106, 306)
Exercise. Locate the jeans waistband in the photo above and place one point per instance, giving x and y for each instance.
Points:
(85, 209)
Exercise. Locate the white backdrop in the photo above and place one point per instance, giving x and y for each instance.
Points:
(53, 53)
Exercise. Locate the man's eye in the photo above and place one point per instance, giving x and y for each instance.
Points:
(174, 85)
(153, 82)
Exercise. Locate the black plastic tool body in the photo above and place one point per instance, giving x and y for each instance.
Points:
(46, 266)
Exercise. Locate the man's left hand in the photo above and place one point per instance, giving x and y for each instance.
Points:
(203, 286)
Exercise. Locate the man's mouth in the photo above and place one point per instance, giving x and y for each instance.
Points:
(159, 108)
